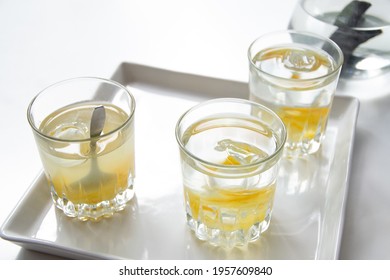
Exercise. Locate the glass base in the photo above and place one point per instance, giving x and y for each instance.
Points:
(94, 212)
(228, 239)
(302, 148)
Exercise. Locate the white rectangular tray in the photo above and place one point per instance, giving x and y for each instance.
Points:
(309, 205)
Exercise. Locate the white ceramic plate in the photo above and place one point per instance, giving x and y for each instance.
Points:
(309, 205)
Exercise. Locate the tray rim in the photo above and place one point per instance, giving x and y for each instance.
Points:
(348, 173)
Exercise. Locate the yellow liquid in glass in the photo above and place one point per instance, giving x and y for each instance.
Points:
(232, 209)
(233, 196)
(303, 123)
(299, 88)
(68, 163)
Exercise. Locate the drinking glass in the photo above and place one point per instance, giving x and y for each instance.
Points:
(360, 28)
(90, 174)
(296, 75)
(230, 150)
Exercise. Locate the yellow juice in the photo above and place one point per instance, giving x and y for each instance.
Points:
(295, 81)
(217, 201)
(303, 123)
(69, 160)
(232, 209)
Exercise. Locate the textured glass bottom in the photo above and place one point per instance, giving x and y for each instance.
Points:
(228, 239)
(94, 212)
(302, 148)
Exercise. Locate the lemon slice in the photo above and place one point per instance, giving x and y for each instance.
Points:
(230, 160)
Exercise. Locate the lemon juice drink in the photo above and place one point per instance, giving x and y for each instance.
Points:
(90, 177)
(298, 81)
(69, 161)
(229, 163)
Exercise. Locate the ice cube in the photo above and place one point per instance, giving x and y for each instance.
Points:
(300, 60)
(241, 152)
(71, 131)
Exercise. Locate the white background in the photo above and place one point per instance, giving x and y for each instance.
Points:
(42, 42)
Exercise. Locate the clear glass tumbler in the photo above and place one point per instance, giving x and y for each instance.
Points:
(230, 150)
(89, 164)
(296, 74)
